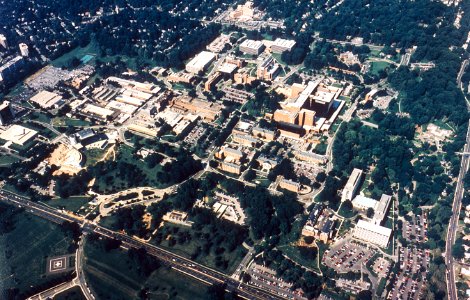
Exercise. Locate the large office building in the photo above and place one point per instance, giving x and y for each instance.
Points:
(252, 47)
(9, 70)
(200, 62)
(6, 114)
(372, 233)
(352, 185)
(282, 45)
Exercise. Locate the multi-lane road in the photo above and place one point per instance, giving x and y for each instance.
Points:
(454, 221)
(179, 263)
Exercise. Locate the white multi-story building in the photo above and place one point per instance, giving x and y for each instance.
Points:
(200, 62)
(372, 233)
(252, 47)
(352, 185)
(282, 45)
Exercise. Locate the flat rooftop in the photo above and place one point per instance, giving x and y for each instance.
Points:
(365, 202)
(46, 99)
(288, 44)
(18, 134)
(374, 228)
(201, 60)
(252, 44)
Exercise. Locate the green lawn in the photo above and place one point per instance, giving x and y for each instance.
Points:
(26, 248)
(6, 159)
(72, 203)
(377, 66)
(70, 122)
(113, 276)
(39, 117)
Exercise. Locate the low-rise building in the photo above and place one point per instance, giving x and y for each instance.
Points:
(245, 140)
(289, 185)
(310, 157)
(230, 167)
(381, 209)
(320, 224)
(182, 77)
(97, 112)
(47, 99)
(18, 135)
(219, 43)
(265, 134)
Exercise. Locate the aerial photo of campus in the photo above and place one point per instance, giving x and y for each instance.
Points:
(234, 149)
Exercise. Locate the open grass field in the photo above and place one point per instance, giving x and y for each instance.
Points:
(111, 275)
(376, 67)
(37, 239)
(72, 203)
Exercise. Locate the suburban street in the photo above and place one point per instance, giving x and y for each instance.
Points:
(179, 263)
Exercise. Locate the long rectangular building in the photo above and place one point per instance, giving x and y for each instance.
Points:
(352, 185)
(372, 233)
(200, 62)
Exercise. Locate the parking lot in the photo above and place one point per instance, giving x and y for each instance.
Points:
(411, 279)
(347, 257)
(266, 278)
(415, 228)
(381, 266)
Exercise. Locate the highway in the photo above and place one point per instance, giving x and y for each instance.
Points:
(183, 265)
(454, 220)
